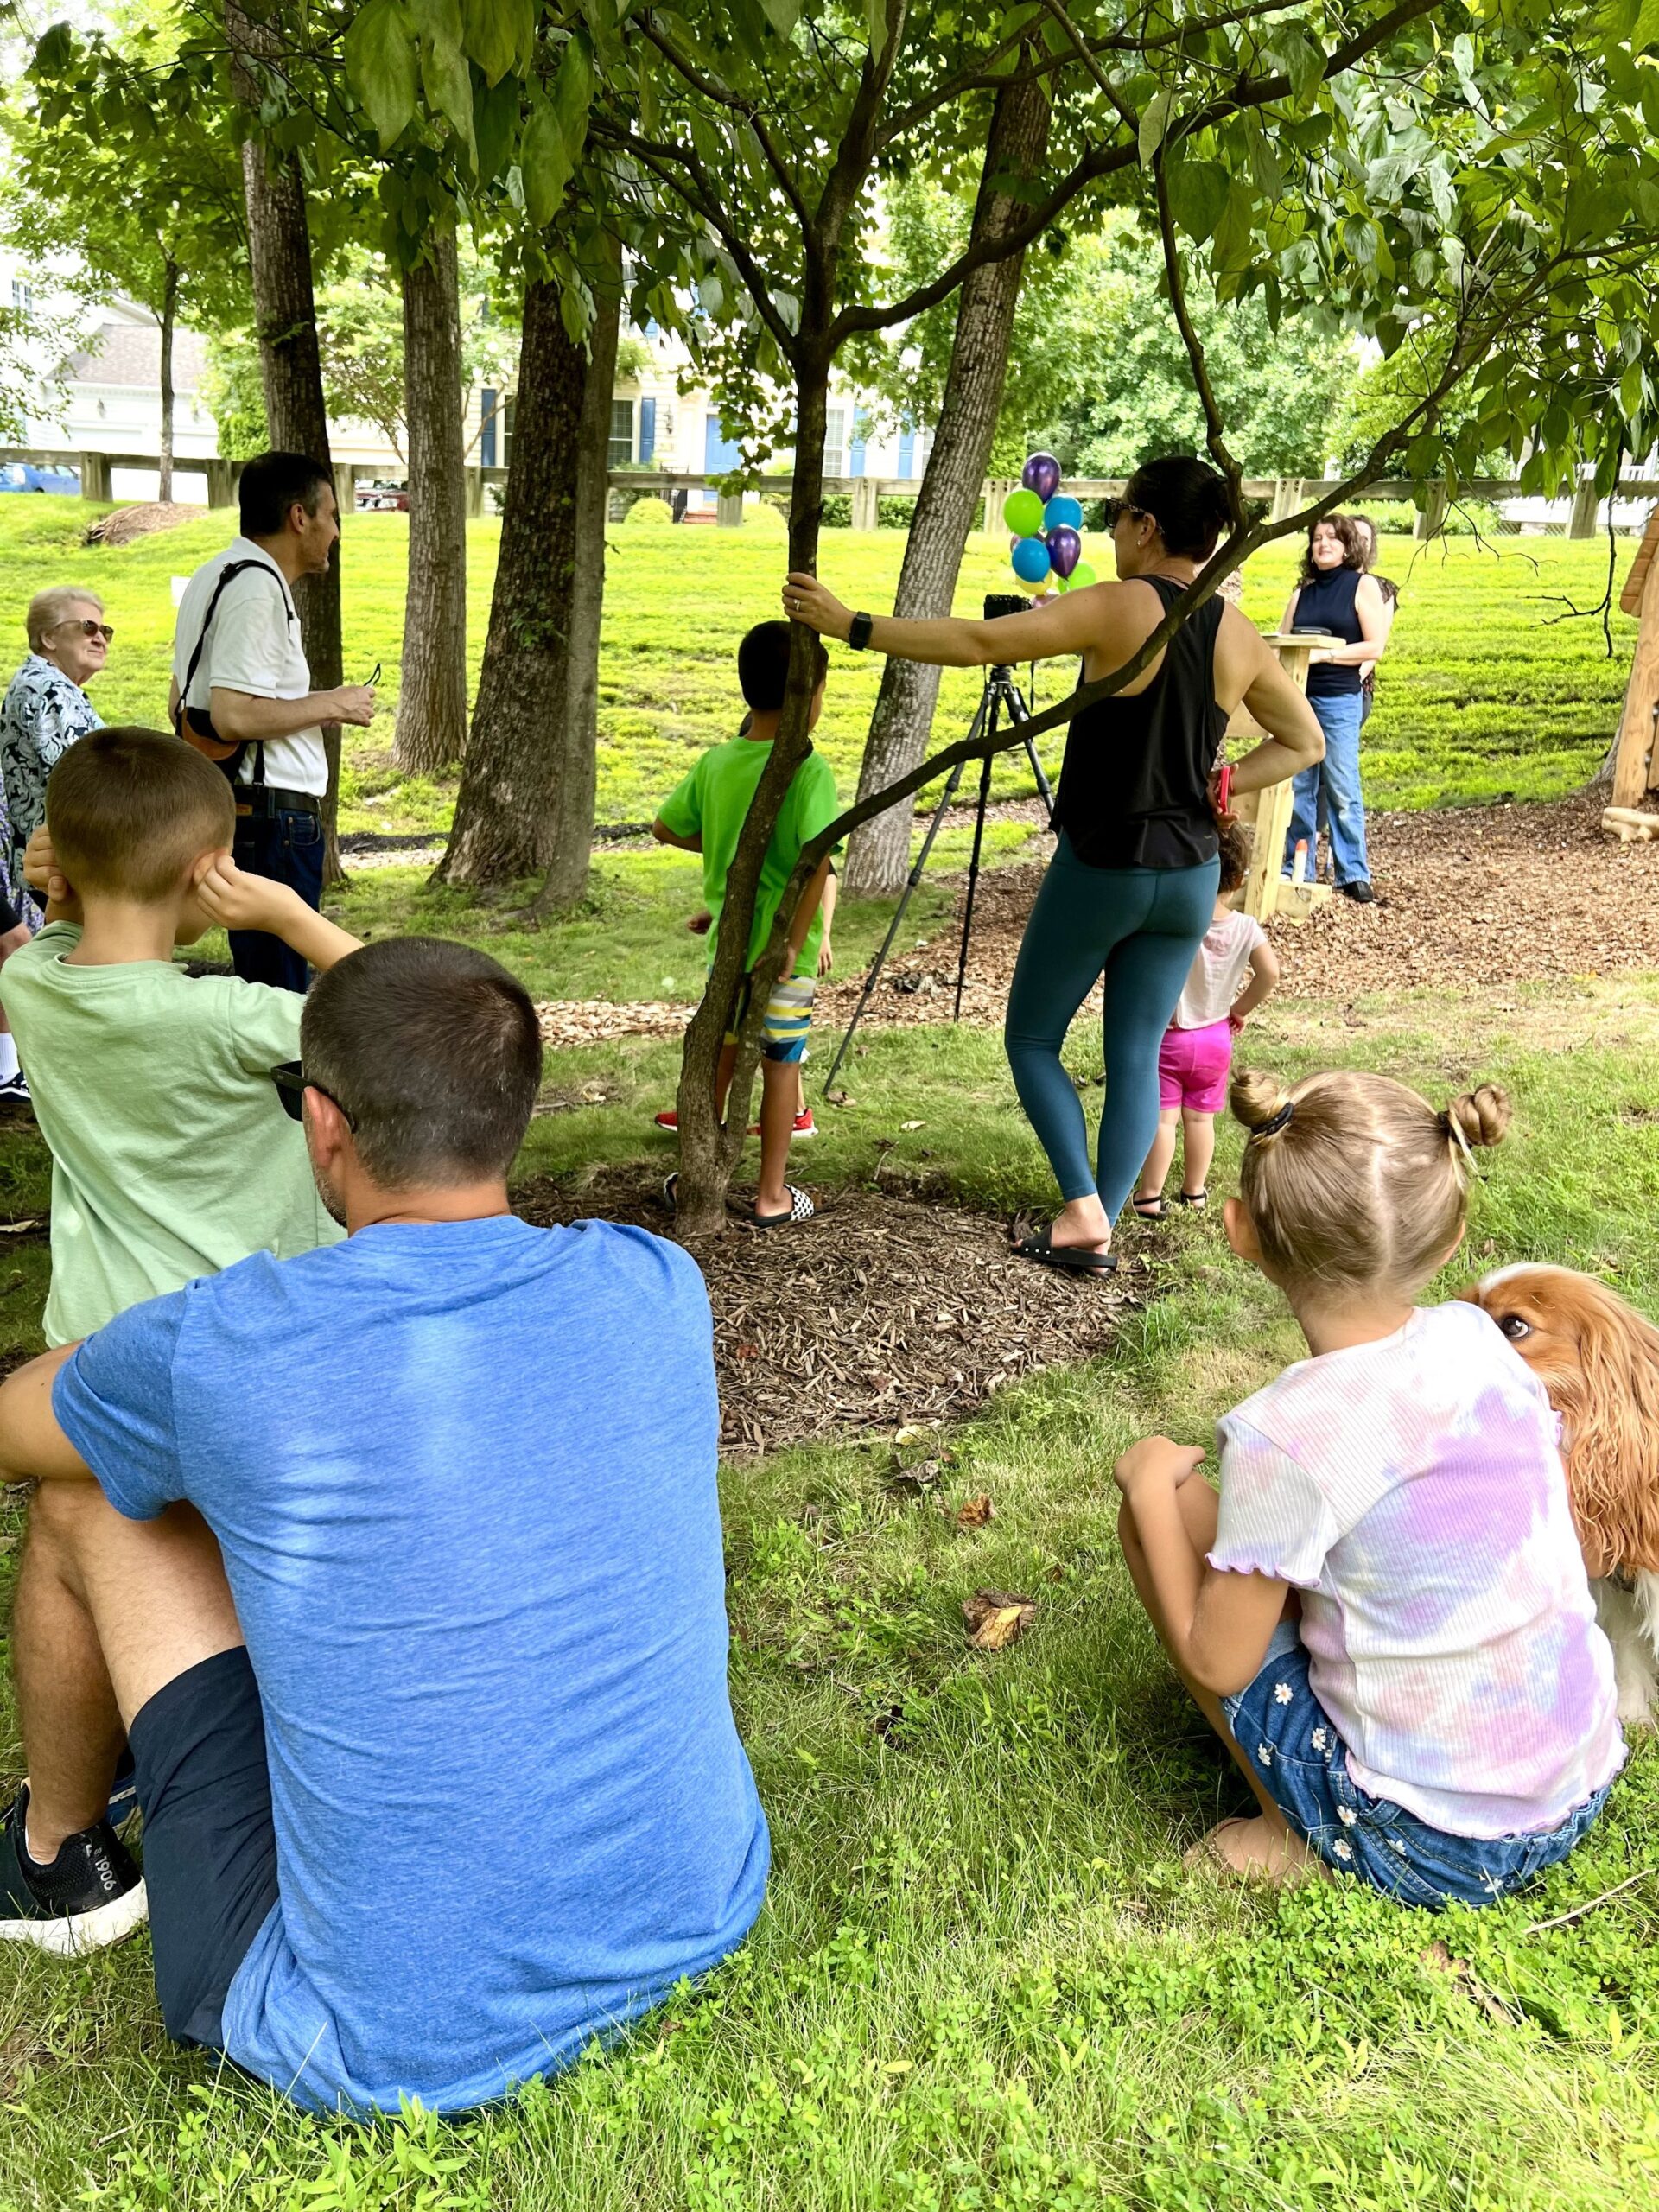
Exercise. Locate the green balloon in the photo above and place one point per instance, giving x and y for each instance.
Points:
(1023, 513)
(1083, 576)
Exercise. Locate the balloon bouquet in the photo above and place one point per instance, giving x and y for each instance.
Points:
(1046, 523)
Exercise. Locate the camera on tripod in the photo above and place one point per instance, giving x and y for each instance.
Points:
(999, 603)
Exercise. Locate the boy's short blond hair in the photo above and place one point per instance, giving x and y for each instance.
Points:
(129, 809)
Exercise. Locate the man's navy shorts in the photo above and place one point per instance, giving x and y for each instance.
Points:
(209, 1850)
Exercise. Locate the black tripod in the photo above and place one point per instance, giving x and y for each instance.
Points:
(1001, 697)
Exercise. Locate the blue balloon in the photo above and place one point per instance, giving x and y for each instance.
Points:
(1030, 558)
(1063, 512)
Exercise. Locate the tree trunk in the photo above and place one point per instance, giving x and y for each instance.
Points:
(572, 827)
(878, 857)
(285, 319)
(504, 813)
(170, 316)
(707, 1156)
(432, 700)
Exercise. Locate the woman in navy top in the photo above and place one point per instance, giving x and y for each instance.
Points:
(1335, 595)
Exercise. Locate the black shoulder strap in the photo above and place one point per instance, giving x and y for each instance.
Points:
(202, 722)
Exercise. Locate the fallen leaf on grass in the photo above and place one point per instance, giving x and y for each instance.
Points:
(994, 1618)
(976, 1512)
(22, 1228)
(912, 1125)
(1439, 1960)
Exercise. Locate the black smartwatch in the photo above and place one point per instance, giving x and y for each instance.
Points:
(858, 631)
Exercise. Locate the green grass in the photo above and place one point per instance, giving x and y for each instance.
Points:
(983, 1981)
(1482, 695)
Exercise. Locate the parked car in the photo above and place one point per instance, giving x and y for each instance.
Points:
(23, 476)
(383, 497)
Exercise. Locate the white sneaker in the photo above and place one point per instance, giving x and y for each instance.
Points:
(13, 1091)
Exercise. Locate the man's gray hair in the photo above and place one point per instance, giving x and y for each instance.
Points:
(48, 608)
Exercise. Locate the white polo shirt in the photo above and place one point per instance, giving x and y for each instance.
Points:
(253, 646)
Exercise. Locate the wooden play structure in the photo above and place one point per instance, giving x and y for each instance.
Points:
(1265, 892)
(1635, 772)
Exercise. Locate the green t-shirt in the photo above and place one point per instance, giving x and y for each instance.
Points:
(171, 1154)
(713, 803)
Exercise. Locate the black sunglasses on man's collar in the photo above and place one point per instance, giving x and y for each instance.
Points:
(292, 1083)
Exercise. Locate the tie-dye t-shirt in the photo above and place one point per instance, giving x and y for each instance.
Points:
(1412, 1490)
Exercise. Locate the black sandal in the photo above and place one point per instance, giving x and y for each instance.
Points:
(1196, 1199)
(801, 1208)
(1070, 1259)
(1148, 1209)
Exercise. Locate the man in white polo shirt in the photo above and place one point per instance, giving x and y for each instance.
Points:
(242, 689)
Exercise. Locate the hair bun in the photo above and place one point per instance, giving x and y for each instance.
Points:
(1479, 1117)
(1256, 1096)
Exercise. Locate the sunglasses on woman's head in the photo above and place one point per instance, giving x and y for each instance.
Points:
(292, 1083)
(88, 628)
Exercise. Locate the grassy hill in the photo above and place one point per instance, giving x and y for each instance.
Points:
(1491, 689)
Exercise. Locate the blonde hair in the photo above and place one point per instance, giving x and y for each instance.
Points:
(1353, 1182)
(48, 609)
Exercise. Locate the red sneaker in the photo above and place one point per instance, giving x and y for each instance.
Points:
(804, 1124)
(668, 1119)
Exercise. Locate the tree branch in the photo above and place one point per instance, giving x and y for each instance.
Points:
(722, 97)
(1215, 431)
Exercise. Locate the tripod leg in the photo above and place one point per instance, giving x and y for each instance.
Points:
(1018, 713)
(973, 864)
(952, 784)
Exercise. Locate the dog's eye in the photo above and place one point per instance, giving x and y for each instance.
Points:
(1514, 1328)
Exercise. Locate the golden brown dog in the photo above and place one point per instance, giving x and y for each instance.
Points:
(1598, 1359)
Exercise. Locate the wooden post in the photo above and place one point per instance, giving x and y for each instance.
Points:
(865, 505)
(1287, 496)
(1633, 763)
(95, 476)
(474, 492)
(728, 511)
(345, 487)
(221, 482)
(1586, 505)
(1265, 894)
(1431, 520)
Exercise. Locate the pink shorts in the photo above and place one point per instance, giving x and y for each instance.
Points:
(1193, 1065)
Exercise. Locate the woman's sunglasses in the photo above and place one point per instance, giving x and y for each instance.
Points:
(88, 628)
(1117, 509)
(292, 1083)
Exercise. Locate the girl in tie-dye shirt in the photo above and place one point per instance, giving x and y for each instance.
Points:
(1385, 1614)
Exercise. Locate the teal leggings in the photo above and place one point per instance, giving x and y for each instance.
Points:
(1143, 927)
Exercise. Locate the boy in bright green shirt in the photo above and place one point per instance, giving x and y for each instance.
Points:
(705, 814)
(172, 1155)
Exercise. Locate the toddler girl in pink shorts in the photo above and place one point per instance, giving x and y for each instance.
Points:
(1196, 1057)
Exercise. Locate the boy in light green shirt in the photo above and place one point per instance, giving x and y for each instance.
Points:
(172, 1156)
(705, 814)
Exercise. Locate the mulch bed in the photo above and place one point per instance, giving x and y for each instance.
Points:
(881, 1314)
(127, 523)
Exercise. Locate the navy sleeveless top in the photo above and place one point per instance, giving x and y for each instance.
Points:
(1328, 604)
(1134, 786)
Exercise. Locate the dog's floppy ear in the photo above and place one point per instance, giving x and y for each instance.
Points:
(1613, 1446)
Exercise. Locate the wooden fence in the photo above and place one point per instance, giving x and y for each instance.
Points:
(1285, 494)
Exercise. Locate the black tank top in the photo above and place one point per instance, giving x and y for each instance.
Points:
(1134, 786)
(1328, 604)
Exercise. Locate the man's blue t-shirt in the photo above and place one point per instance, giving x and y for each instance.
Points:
(462, 1476)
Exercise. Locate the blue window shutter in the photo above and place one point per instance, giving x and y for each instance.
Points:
(906, 453)
(647, 431)
(487, 439)
(856, 466)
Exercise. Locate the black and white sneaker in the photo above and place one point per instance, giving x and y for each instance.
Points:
(92, 1895)
(14, 1089)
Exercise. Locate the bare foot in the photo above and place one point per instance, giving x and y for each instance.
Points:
(1257, 1850)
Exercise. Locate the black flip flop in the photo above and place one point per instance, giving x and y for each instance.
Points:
(801, 1208)
(668, 1190)
(1070, 1259)
(1198, 1199)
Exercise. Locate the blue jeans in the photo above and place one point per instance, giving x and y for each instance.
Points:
(287, 847)
(1329, 791)
(1302, 1763)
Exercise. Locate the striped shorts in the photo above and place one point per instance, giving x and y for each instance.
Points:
(789, 1017)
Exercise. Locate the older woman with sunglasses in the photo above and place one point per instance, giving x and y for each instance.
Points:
(45, 711)
(1131, 889)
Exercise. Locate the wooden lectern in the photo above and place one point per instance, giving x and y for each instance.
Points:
(1265, 894)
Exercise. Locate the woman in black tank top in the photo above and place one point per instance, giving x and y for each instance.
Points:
(1131, 887)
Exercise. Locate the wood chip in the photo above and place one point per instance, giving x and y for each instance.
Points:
(994, 1618)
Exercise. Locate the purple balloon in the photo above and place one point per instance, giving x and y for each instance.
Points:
(1041, 474)
(1065, 550)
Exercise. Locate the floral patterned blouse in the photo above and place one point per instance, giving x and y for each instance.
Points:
(42, 714)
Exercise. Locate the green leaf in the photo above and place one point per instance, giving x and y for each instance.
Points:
(783, 15)
(1198, 193)
(495, 122)
(495, 33)
(558, 128)
(1305, 60)
(876, 22)
(380, 62)
(1154, 121)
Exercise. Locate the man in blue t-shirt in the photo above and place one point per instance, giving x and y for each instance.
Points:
(399, 1568)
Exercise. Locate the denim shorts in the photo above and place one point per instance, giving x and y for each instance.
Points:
(1302, 1763)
